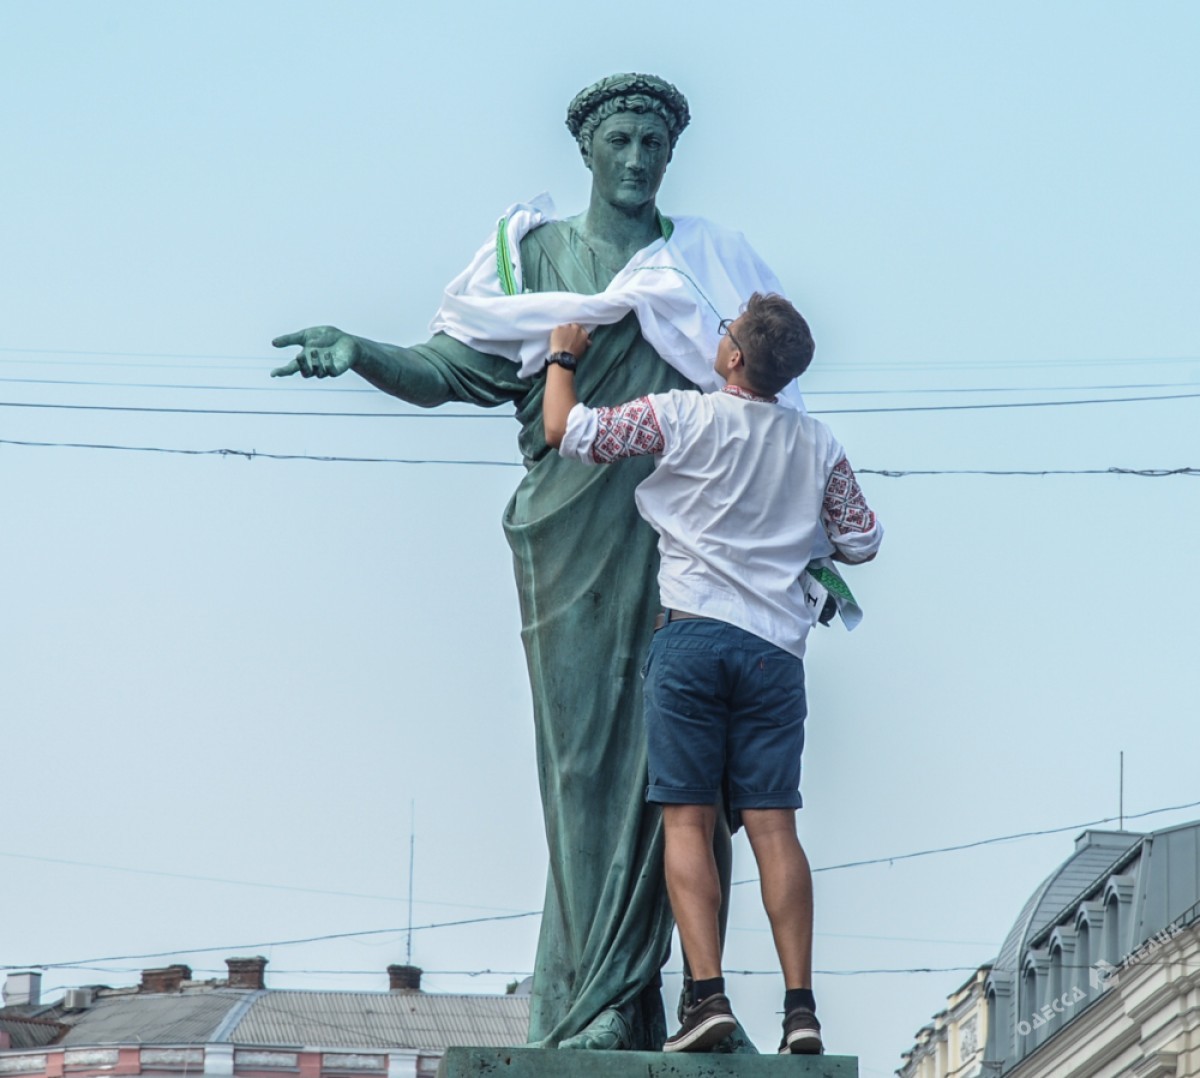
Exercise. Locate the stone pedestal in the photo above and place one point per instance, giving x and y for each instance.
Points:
(549, 1063)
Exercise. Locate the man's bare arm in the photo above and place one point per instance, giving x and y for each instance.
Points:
(560, 395)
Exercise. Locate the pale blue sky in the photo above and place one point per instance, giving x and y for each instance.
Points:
(248, 670)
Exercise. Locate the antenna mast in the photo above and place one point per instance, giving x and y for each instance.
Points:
(1121, 794)
(412, 843)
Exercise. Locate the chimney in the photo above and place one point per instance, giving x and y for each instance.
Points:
(404, 978)
(165, 979)
(247, 972)
(22, 989)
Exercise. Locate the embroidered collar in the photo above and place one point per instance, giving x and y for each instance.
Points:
(746, 395)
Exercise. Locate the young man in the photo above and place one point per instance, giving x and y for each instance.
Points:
(745, 493)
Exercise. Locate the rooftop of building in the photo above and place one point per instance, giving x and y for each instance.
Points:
(170, 1008)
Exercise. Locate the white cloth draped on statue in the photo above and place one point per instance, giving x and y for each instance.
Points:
(680, 287)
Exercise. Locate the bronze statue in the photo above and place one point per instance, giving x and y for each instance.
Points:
(585, 565)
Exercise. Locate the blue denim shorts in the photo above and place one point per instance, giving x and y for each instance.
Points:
(725, 714)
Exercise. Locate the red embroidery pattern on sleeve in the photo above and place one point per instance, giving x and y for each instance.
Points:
(628, 430)
(845, 507)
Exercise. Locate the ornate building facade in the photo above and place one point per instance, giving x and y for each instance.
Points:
(1098, 978)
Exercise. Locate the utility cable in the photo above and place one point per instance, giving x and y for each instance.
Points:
(986, 406)
(193, 878)
(850, 365)
(274, 943)
(250, 411)
(133, 355)
(991, 841)
(348, 389)
(1002, 404)
(870, 971)
(887, 473)
(1145, 473)
(535, 913)
(251, 454)
(303, 387)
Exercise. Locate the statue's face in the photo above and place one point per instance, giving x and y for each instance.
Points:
(628, 158)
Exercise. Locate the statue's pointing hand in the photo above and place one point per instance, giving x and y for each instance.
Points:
(325, 352)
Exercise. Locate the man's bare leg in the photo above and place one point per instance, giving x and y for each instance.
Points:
(737, 1043)
(787, 892)
(694, 887)
(788, 899)
(722, 844)
(693, 884)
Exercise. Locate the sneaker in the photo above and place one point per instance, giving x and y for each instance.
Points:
(708, 1022)
(801, 1034)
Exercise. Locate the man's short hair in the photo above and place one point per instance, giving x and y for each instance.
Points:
(777, 342)
(626, 93)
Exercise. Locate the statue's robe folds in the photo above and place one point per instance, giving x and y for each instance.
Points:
(586, 568)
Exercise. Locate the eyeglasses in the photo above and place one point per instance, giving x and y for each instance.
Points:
(724, 328)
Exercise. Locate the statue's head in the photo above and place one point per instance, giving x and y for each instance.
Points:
(639, 94)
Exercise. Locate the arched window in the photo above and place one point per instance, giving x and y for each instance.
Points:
(1030, 1004)
(1055, 986)
(998, 1045)
(1089, 942)
(1083, 956)
(1112, 934)
(993, 1022)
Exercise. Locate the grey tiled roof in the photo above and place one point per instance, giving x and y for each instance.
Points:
(28, 1032)
(159, 1018)
(1096, 852)
(280, 1018)
(382, 1020)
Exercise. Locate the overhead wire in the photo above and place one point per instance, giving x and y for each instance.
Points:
(887, 473)
(848, 365)
(301, 388)
(299, 413)
(954, 848)
(10, 350)
(1146, 961)
(304, 413)
(1145, 473)
(1003, 404)
(196, 878)
(251, 454)
(993, 841)
(306, 387)
(179, 952)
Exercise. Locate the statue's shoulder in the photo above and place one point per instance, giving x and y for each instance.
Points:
(508, 246)
(546, 235)
(546, 251)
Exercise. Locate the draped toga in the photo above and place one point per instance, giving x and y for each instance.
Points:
(586, 567)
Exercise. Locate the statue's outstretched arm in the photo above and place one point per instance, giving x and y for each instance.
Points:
(327, 352)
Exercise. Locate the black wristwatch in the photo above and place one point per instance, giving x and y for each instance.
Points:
(564, 359)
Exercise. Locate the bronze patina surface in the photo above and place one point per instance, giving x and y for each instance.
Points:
(586, 567)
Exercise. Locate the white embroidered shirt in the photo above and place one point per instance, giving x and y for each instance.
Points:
(745, 493)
